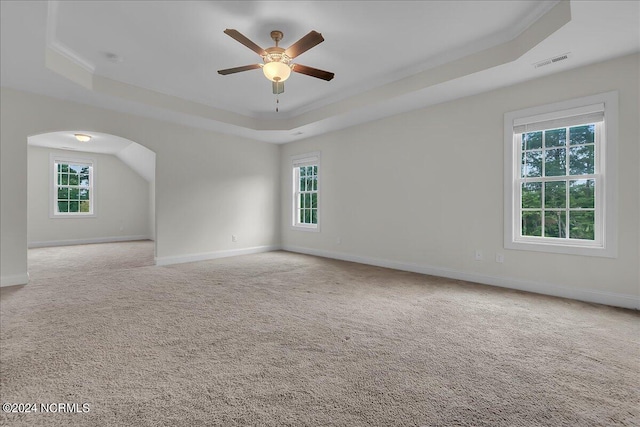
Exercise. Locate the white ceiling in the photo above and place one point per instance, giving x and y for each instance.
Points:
(139, 158)
(99, 143)
(388, 57)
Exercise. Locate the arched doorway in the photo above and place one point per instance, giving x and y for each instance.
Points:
(90, 203)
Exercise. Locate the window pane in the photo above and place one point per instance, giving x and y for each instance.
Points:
(555, 162)
(532, 163)
(303, 171)
(307, 200)
(582, 134)
(555, 138)
(532, 223)
(301, 201)
(555, 224)
(74, 206)
(582, 193)
(555, 194)
(314, 200)
(84, 194)
(307, 216)
(301, 215)
(315, 170)
(581, 160)
(532, 195)
(58, 167)
(302, 184)
(532, 140)
(84, 206)
(64, 168)
(74, 194)
(73, 179)
(64, 179)
(309, 184)
(63, 206)
(581, 225)
(63, 193)
(84, 180)
(314, 216)
(315, 183)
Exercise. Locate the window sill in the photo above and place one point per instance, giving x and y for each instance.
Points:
(313, 229)
(559, 248)
(76, 216)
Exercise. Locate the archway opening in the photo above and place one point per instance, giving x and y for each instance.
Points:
(90, 203)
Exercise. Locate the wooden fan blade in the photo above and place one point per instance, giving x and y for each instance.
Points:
(235, 34)
(313, 72)
(238, 69)
(304, 44)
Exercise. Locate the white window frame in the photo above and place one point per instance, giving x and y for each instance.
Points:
(297, 161)
(605, 244)
(55, 159)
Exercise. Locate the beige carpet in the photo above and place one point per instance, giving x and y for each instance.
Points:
(281, 339)
(71, 260)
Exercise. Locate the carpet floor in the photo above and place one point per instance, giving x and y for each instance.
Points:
(283, 339)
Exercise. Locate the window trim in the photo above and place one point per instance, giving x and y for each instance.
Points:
(297, 161)
(607, 149)
(53, 187)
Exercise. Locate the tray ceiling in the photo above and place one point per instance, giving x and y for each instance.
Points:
(159, 58)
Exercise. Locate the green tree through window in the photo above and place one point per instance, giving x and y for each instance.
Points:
(73, 188)
(558, 196)
(306, 183)
(307, 195)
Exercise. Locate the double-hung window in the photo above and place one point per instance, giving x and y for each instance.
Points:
(560, 177)
(73, 187)
(305, 204)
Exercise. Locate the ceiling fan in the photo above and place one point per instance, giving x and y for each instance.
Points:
(277, 65)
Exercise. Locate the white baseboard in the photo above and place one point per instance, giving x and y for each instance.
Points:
(180, 259)
(49, 243)
(15, 279)
(599, 297)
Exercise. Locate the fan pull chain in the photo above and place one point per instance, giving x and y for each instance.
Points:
(277, 102)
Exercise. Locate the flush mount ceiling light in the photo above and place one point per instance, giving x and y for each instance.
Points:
(83, 137)
(277, 64)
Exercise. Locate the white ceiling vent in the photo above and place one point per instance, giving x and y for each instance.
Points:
(552, 60)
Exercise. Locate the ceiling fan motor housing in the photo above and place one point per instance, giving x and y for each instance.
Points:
(276, 35)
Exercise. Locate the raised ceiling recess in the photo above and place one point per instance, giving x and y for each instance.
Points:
(160, 59)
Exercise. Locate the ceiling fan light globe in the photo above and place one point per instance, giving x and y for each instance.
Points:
(276, 71)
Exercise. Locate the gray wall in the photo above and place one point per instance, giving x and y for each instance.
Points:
(420, 191)
(123, 203)
(423, 190)
(208, 186)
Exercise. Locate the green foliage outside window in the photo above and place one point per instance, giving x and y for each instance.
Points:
(555, 208)
(73, 188)
(308, 196)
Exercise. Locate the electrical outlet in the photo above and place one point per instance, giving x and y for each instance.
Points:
(499, 258)
(234, 238)
(478, 255)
